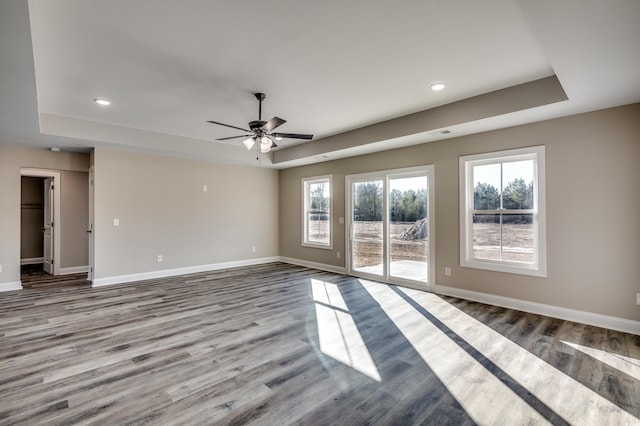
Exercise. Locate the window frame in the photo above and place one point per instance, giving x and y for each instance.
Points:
(467, 162)
(306, 182)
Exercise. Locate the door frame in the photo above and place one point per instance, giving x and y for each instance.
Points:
(385, 175)
(90, 229)
(56, 210)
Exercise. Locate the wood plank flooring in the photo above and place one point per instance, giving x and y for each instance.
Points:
(32, 277)
(279, 344)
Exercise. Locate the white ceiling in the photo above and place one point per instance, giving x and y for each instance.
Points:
(327, 67)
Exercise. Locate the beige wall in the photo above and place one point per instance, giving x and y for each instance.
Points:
(163, 210)
(593, 200)
(12, 159)
(592, 207)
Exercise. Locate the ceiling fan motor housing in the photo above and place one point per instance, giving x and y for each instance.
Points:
(256, 125)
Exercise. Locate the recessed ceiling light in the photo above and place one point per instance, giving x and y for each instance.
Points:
(102, 102)
(436, 87)
(54, 149)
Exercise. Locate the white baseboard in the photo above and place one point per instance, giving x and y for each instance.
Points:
(321, 266)
(589, 318)
(119, 279)
(32, 260)
(16, 285)
(73, 270)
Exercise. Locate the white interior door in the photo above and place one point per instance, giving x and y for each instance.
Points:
(48, 226)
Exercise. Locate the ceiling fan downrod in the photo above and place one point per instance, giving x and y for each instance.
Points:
(260, 97)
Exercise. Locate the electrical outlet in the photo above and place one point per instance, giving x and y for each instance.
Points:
(253, 249)
(637, 295)
(159, 258)
(205, 188)
(116, 221)
(447, 271)
(338, 254)
(0, 268)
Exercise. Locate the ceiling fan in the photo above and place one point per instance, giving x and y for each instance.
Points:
(261, 130)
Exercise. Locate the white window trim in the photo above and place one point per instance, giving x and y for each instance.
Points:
(539, 268)
(305, 182)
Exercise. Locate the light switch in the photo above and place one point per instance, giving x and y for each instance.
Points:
(116, 221)
(341, 220)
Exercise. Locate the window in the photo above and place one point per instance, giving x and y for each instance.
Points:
(502, 211)
(317, 212)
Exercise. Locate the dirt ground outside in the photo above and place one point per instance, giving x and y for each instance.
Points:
(367, 244)
(319, 231)
(517, 243)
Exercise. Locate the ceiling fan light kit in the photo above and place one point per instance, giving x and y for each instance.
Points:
(265, 144)
(261, 130)
(249, 142)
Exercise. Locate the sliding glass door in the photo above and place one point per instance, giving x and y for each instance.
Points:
(408, 236)
(367, 226)
(390, 225)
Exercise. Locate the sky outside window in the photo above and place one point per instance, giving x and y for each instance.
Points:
(490, 173)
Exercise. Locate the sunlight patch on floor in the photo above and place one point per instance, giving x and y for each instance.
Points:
(564, 395)
(627, 365)
(483, 396)
(328, 294)
(338, 334)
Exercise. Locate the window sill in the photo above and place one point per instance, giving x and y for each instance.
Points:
(318, 246)
(534, 271)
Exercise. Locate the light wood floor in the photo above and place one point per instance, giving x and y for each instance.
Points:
(281, 344)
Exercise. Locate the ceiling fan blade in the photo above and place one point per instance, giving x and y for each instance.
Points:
(233, 137)
(273, 123)
(228, 125)
(292, 136)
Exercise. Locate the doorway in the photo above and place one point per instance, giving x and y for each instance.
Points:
(39, 222)
(391, 226)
